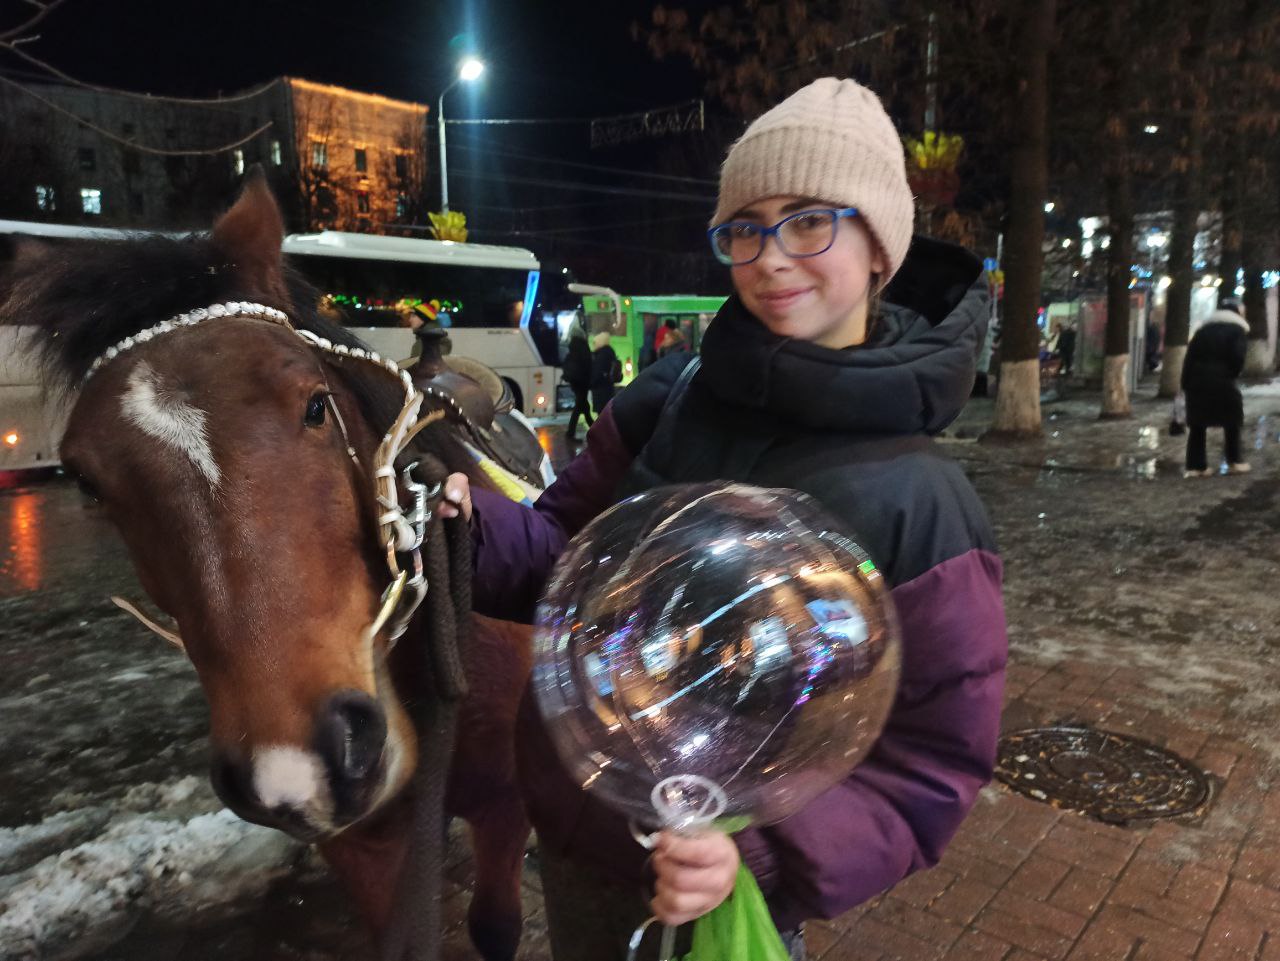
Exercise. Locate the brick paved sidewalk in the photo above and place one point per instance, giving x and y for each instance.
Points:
(1139, 603)
(1025, 882)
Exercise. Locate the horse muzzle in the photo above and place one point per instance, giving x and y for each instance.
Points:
(316, 790)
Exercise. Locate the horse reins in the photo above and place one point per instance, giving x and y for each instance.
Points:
(414, 934)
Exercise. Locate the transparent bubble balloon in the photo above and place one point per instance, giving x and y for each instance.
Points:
(714, 650)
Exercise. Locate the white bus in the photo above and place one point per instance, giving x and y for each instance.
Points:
(30, 425)
(486, 296)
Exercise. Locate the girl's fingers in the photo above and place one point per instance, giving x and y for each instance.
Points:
(686, 878)
(692, 874)
(676, 909)
(457, 497)
(697, 850)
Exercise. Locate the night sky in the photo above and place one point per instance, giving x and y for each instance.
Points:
(565, 59)
(560, 58)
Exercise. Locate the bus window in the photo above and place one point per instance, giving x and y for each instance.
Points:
(364, 292)
(604, 323)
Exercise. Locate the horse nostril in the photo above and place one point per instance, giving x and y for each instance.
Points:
(352, 733)
(232, 783)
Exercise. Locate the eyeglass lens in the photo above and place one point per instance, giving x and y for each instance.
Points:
(802, 235)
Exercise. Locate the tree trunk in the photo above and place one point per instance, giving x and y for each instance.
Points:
(1119, 188)
(1188, 194)
(1182, 275)
(1018, 401)
(1252, 193)
(1229, 260)
(1259, 360)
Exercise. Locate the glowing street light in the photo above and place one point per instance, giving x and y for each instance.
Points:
(469, 70)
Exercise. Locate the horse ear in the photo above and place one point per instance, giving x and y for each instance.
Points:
(251, 232)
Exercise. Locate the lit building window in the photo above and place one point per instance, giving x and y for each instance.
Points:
(275, 153)
(91, 200)
(319, 154)
(362, 201)
(402, 205)
(237, 161)
(45, 199)
(362, 160)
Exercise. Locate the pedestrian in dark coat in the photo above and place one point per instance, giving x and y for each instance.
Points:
(576, 371)
(1213, 362)
(606, 372)
(801, 383)
(1066, 349)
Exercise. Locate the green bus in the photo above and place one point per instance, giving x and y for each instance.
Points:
(632, 322)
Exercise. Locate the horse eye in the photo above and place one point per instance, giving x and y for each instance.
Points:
(314, 416)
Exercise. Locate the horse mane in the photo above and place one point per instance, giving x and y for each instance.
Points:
(85, 297)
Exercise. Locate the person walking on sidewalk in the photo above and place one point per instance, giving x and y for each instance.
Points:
(606, 372)
(577, 374)
(820, 375)
(1213, 362)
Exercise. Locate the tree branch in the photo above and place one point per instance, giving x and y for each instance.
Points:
(42, 10)
(157, 151)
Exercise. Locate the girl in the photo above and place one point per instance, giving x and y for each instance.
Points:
(808, 379)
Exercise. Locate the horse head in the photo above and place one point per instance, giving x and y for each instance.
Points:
(236, 460)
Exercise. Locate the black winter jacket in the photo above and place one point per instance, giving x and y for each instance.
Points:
(1214, 360)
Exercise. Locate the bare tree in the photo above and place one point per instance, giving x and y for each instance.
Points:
(405, 171)
(318, 188)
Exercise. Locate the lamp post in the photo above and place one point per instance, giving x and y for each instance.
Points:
(470, 69)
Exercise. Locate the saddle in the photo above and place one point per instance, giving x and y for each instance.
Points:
(487, 404)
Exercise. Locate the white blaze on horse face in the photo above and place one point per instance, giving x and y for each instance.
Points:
(290, 778)
(159, 413)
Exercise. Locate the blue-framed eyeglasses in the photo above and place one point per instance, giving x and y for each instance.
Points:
(803, 234)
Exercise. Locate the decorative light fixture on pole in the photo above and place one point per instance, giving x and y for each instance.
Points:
(469, 70)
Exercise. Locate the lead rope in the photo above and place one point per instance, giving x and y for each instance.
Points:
(414, 933)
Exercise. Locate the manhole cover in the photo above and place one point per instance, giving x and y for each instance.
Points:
(1107, 776)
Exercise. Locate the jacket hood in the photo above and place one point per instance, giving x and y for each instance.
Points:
(1228, 317)
(913, 375)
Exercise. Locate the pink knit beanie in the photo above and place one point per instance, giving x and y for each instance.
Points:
(832, 141)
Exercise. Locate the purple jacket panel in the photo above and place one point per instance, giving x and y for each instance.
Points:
(516, 547)
(902, 806)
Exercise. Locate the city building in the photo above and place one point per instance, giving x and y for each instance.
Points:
(336, 158)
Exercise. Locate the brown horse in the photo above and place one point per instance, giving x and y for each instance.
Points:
(235, 459)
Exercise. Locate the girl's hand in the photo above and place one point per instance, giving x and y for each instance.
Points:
(457, 497)
(694, 873)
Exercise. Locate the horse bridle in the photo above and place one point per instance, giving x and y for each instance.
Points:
(400, 534)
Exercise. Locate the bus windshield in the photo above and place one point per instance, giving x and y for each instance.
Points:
(380, 293)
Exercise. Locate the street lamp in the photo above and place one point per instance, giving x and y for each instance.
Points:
(469, 70)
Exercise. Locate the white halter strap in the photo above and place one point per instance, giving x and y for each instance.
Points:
(190, 319)
(399, 534)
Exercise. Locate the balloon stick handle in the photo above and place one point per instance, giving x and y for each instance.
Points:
(667, 946)
(667, 950)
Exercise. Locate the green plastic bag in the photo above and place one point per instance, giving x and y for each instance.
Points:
(740, 929)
